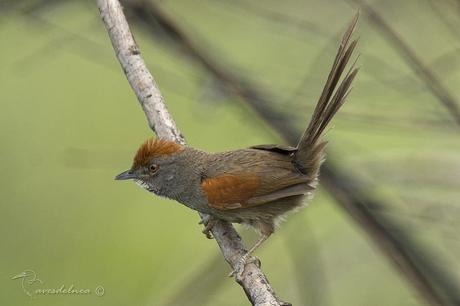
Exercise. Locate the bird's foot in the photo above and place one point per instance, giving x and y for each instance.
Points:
(241, 265)
(208, 222)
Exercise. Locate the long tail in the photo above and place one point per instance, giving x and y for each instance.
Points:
(309, 155)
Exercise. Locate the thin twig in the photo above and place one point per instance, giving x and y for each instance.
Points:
(253, 281)
(415, 63)
(264, 12)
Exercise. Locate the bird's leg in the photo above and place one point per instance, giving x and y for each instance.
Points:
(247, 258)
(261, 240)
(265, 231)
(208, 221)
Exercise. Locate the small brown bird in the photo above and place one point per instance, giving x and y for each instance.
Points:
(255, 186)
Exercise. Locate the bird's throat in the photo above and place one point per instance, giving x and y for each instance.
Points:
(146, 186)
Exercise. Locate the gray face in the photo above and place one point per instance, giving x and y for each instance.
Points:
(168, 175)
(176, 176)
(158, 174)
(162, 177)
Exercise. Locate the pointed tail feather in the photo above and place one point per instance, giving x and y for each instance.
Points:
(309, 155)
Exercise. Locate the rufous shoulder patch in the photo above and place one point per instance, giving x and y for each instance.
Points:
(155, 147)
(230, 191)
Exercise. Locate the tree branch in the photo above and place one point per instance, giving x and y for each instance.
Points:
(253, 280)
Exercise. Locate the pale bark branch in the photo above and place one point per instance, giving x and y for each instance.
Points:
(253, 280)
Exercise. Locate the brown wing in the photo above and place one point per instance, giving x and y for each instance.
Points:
(252, 177)
(230, 191)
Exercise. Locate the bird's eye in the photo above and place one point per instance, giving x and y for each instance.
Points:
(153, 168)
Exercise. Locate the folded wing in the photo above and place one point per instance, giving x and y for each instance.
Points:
(253, 184)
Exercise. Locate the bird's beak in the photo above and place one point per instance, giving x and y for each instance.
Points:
(127, 175)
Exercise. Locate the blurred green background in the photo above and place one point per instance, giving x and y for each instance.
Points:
(69, 122)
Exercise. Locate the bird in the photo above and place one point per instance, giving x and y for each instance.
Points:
(256, 186)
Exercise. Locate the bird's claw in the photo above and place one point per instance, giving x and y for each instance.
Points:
(208, 223)
(240, 266)
(207, 233)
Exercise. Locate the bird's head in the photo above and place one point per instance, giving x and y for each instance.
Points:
(157, 166)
